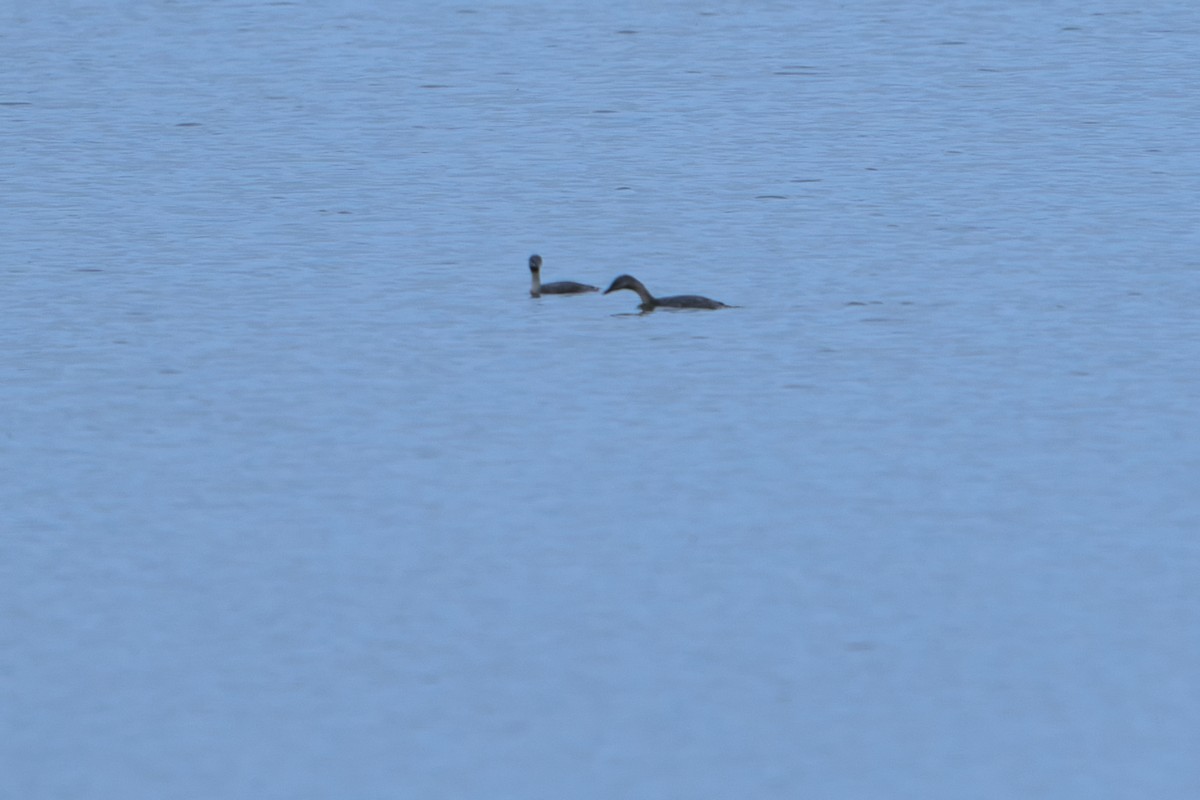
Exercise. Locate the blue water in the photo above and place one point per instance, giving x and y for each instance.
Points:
(303, 496)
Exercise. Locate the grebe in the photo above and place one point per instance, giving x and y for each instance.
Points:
(558, 287)
(650, 302)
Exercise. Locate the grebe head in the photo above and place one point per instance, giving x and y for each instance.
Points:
(535, 263)
(624, 282)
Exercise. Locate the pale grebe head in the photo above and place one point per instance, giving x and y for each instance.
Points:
(535, 263)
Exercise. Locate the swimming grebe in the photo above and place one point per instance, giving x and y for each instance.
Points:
(558, 287)
(650, 302)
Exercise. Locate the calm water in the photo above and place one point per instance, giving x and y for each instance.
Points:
(302, 495)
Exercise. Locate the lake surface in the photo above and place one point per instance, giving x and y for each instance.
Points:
(303, 496)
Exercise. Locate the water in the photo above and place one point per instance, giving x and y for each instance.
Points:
(302, 496)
